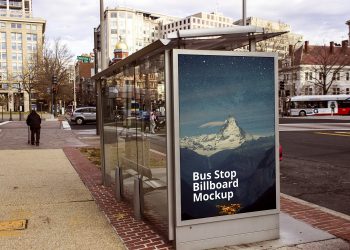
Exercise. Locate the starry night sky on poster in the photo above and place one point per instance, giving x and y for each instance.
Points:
(213, 87)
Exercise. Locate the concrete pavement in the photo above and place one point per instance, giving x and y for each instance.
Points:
(41, 187)
(39, 184)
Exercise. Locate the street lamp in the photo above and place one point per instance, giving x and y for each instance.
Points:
(292, 65)
(20, 103)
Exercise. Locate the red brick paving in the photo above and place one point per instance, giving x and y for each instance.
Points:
(135, 234)
(142, 234)
(317, 218)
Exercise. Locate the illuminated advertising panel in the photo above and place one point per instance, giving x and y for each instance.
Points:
(225, 134)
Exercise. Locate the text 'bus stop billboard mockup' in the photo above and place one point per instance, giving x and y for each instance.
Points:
(226, 157)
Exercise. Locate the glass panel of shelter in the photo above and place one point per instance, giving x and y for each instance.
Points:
(129, 99)
(151, 85)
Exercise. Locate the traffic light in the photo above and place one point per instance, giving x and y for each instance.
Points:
(281, 85)
(97, 39)
(54, 84)
(54, 80)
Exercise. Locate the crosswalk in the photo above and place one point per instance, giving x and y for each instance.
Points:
(314, 127)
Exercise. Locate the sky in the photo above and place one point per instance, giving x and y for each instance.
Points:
(213, 88)
(319, 21)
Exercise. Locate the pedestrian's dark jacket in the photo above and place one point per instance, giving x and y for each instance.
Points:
(33, 120)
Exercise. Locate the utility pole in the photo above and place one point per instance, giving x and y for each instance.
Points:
(54, 91)
(102, 36)
(244, 13)
(74, 90)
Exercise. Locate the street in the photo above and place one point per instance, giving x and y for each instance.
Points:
(316, 156)
(315, 164)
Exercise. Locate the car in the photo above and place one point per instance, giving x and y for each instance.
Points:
(83, 115)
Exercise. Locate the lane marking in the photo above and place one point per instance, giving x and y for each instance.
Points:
(13, 225)
(333, 134)
(3, 123)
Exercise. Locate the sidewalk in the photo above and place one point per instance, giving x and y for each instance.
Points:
(42, 185)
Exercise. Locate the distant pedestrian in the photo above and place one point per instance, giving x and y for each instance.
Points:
(34, 121)
(332, 107)
(152, 120)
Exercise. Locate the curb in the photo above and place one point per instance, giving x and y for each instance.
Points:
(322, 218)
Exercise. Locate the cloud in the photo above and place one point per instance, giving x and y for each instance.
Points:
(320, 21)
(212, 124)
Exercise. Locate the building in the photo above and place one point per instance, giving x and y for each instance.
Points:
(316, 70)
(84, 87)
(137, 28)
(278, 44)
(21, 35)
(200, 20)
(120, 51)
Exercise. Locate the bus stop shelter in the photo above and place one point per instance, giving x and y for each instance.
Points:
(141, 158)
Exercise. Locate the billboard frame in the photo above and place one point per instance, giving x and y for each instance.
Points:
(272, 214)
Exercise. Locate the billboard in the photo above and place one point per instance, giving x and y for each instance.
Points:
(225, 134)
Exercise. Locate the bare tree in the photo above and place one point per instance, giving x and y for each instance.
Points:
(55, 62)
(3, 101)
(52, 59)
(326, 62)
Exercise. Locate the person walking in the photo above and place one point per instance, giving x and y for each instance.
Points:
(34, 122)
(332, 108)
(152, 119)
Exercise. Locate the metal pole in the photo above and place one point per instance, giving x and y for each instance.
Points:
(52, 108)
(74, 91)
(244, 13)
(102, 36)
(20, 104)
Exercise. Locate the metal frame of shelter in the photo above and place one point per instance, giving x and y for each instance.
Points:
(222, 39)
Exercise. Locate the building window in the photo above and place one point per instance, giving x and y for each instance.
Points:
(336, 76)
(32, 37)
(336, 91)
(30, 26)
(16, 36)
(347, 76)
(347, 91)
(310, 75)
(320, 75)
(114, 15)
(16, 25)
(308, 91)
(2, 25)
(306, 76)
(16, 56)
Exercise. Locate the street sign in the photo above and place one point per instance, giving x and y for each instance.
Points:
(84, 59)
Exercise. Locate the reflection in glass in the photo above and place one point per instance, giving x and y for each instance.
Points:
(129, 100)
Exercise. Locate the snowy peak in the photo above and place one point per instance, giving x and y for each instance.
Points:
(231, 129)
(230, 136)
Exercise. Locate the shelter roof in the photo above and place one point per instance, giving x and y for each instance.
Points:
(229, 38)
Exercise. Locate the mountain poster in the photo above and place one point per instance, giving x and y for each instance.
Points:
(227, 134)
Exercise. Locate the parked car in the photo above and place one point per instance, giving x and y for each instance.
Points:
(83, 115)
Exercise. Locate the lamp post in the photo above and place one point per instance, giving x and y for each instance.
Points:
(292, 65)
(283, 97)
(20, 103)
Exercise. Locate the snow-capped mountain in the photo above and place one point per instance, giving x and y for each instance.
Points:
(230, 136)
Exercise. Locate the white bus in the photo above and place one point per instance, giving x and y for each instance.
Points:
(319, 105)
